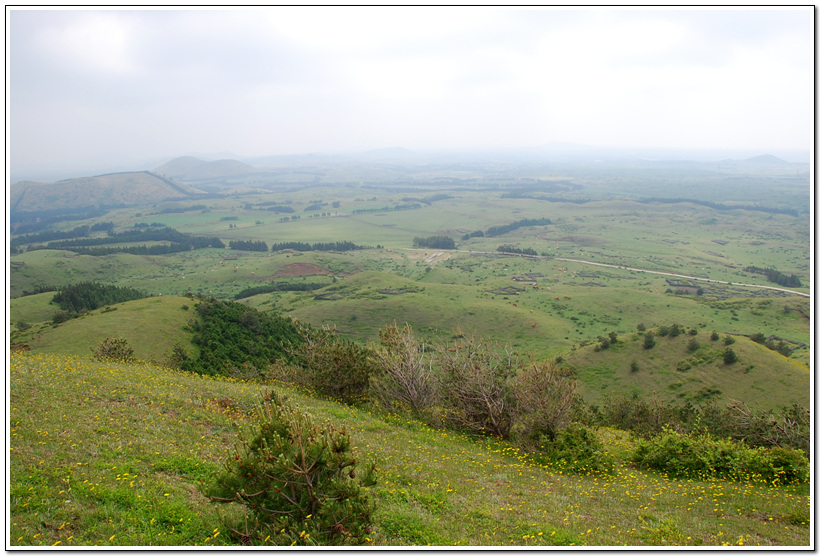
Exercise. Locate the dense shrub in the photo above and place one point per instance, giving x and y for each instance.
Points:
(576, 448)
(702, 455)
(231, 336)
(113, 348)
(332, 366)
(297, 480)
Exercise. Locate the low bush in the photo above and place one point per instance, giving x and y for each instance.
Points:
(298, 482)
(113, 348)
(704, 456)
(334, 367)
(576, 448)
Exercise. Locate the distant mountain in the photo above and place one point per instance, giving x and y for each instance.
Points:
(765, 159)
(189, 168)
(122, 188)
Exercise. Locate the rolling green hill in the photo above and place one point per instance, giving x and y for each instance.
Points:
(362, 304)
(761, 377)
(123, 188)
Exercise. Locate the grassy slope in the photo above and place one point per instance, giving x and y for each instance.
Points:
(761, 377)
(117, 453)
(152, 326)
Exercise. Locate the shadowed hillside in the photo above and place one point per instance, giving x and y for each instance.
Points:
(125, 188)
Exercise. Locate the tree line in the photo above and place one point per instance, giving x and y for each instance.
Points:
(774, 275)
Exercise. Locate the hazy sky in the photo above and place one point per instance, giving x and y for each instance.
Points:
(155, 84)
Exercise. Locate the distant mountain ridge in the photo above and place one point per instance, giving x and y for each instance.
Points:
(189, 168)
(121, 188)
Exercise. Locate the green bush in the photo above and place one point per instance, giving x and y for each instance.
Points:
(576, 448)
(334, 367)
(113, 348)
(704, 456)
(297, 481)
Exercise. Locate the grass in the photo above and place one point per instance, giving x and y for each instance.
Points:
(115, 455)
(671, 372)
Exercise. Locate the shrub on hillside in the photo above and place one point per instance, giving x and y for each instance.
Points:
(113, 349)
(332, 366)
(297, 480)
(544, 394)
(576, 448)
(475, 389)
(405, 378)
(230, 336)
(704, 456)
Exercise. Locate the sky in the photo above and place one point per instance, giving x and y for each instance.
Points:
(132, 86)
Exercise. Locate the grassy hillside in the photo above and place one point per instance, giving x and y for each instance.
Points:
(117, 455)
(760, 377)
(152, 326)
(124, 188)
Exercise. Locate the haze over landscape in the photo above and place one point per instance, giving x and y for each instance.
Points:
(129, 89)
(410, 276)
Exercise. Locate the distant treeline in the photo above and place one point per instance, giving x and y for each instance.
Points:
(434, 242)
(516, 250)
(525, 194)
(429, 200)
(178, 242)
(774, 275)
(249, 245)
(174, 210)
(718, 206)
(330, 246)
(87, 296)
(493, 231)
(279, 287)
(408, 206)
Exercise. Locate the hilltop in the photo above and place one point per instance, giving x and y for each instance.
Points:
(189, 168)
(107, 190)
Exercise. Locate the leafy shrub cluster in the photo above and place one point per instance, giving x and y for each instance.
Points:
(113, 349)
(234, 339)
(297, 481)
(701, 455)
(647, 417)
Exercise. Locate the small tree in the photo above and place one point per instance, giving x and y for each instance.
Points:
(404, 371)
(729, 356)
(298, 481)
(715, 336)
(113, 348)
(649, 341)
(476, 386)
(693, 345)
(544, 395)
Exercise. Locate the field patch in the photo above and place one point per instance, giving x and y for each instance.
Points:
(300, 269)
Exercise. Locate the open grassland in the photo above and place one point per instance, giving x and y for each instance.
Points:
(672, 372)
(115, 454)
(152, 326)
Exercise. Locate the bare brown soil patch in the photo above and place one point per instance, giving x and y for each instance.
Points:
(300, 269)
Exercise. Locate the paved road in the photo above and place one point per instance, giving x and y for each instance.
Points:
(696, 278)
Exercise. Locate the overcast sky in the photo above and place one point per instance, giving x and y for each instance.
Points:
(86, 84)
